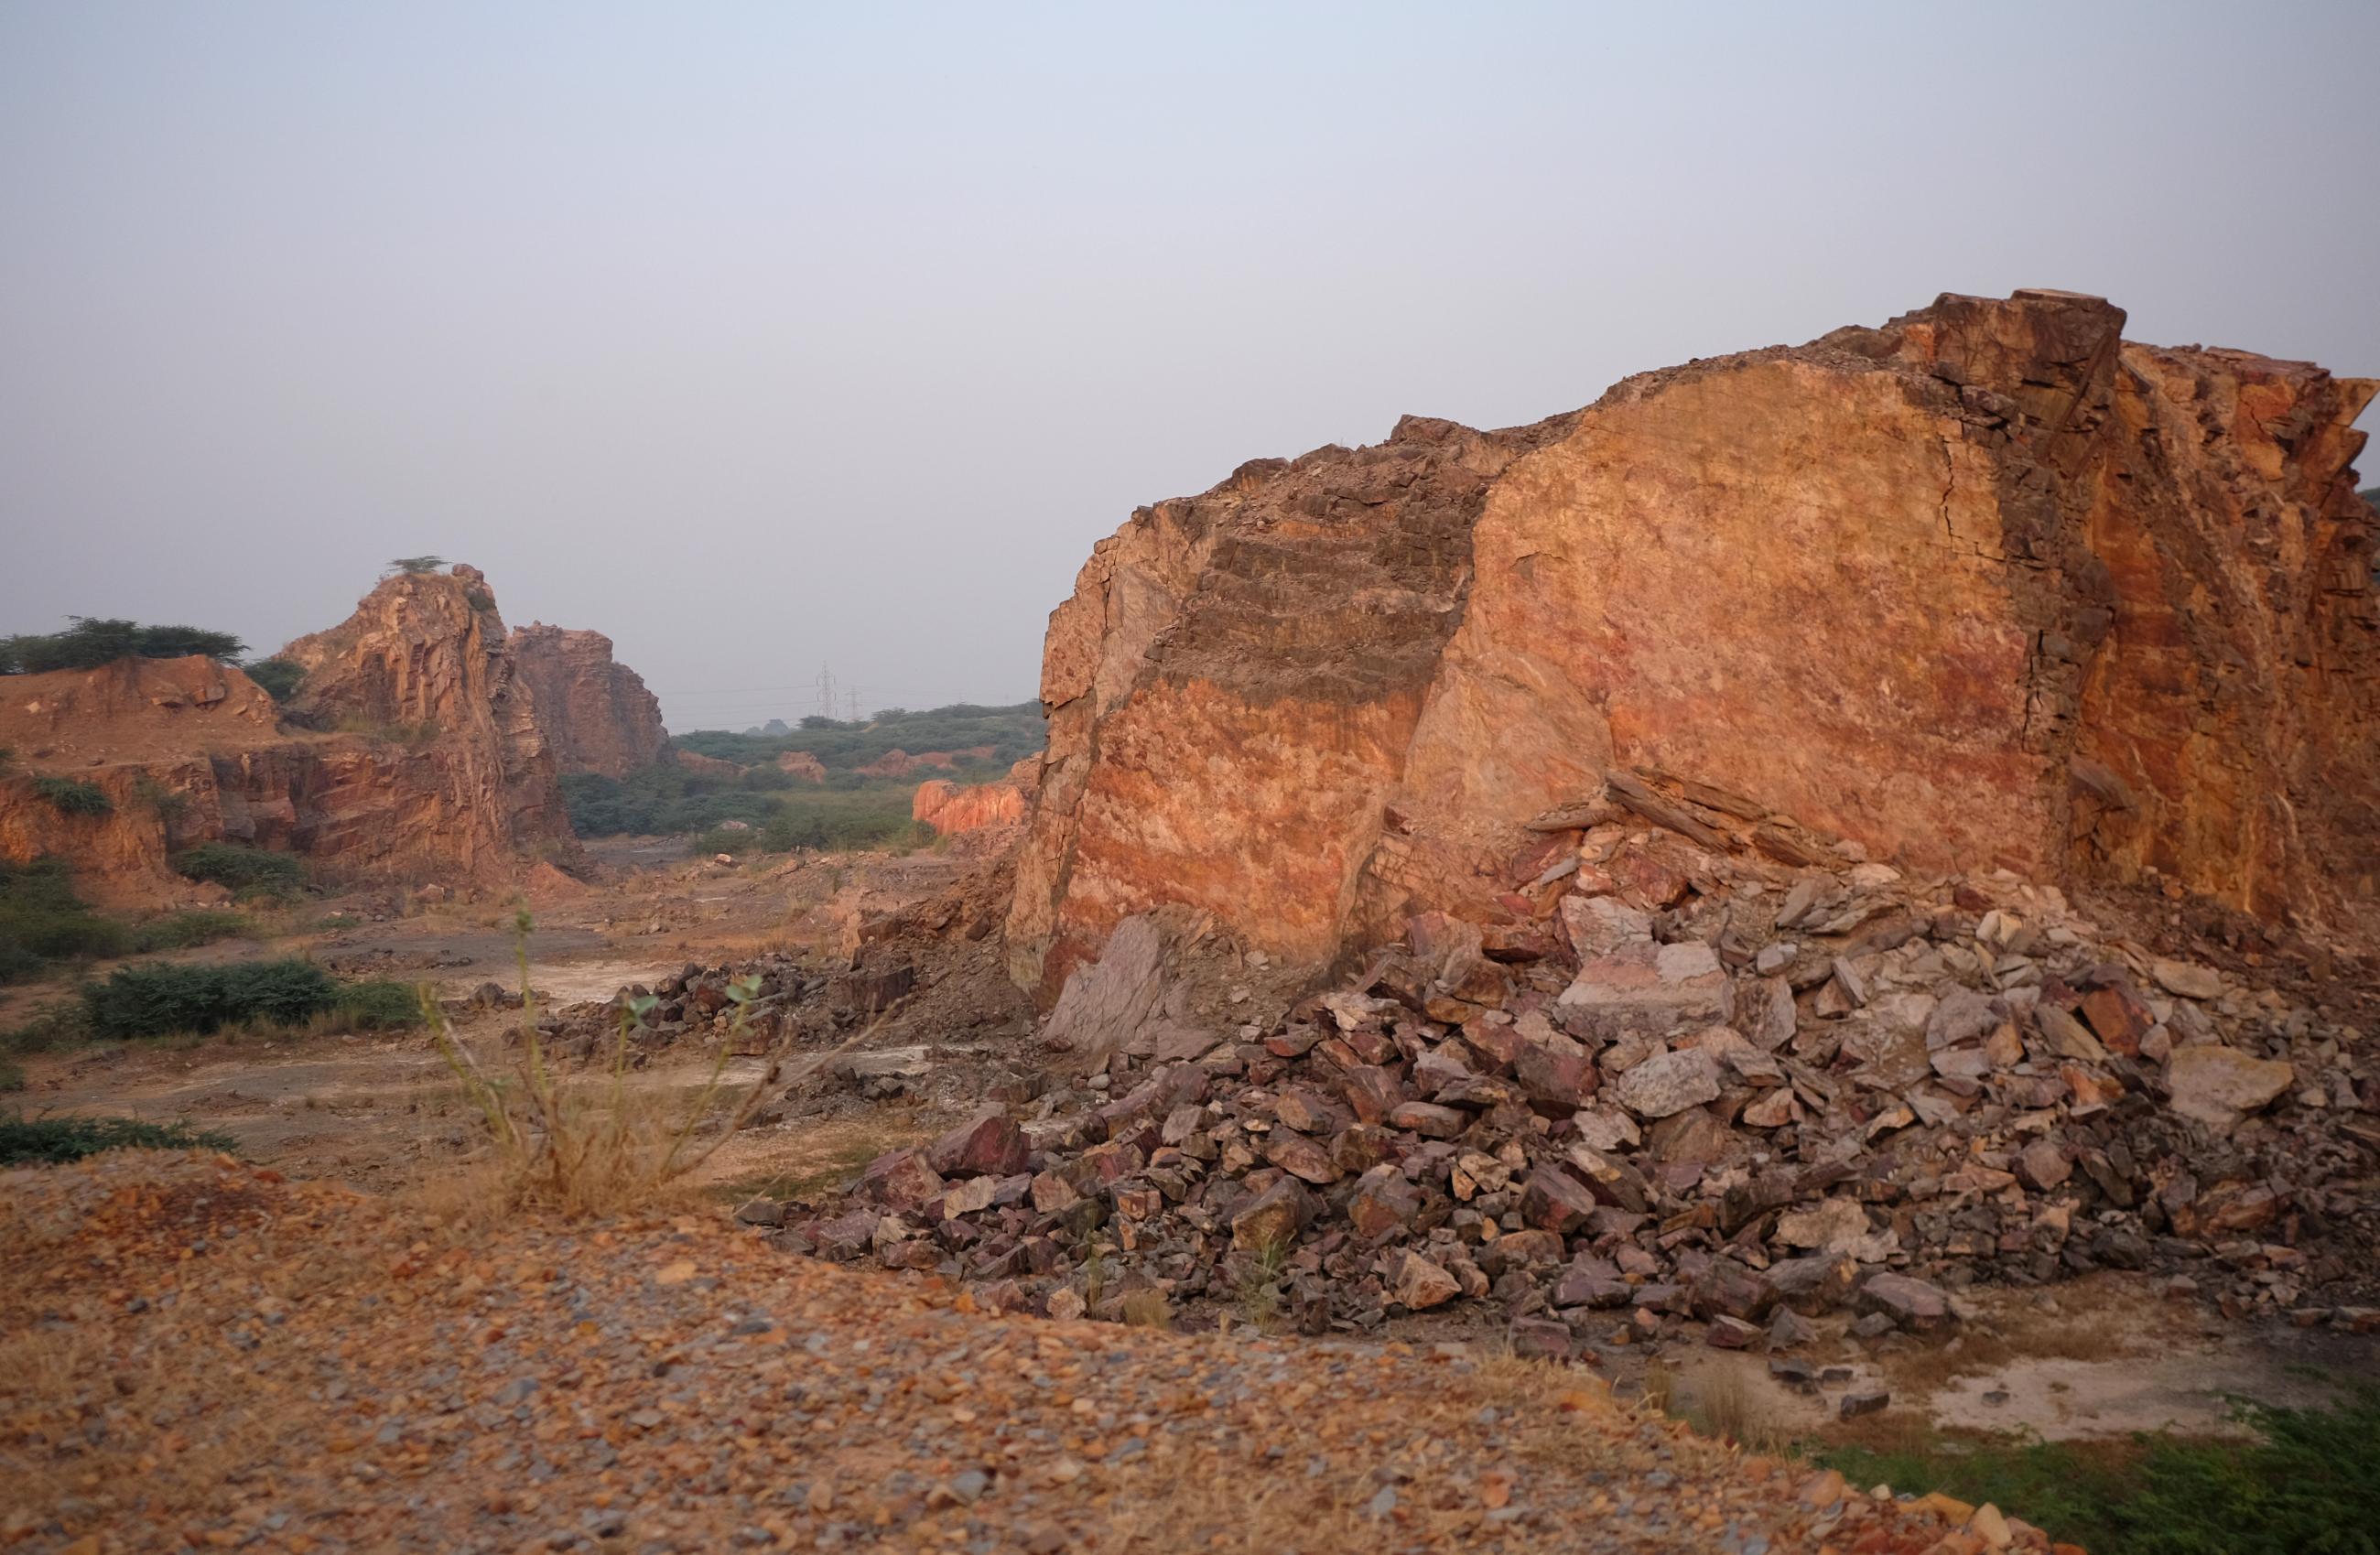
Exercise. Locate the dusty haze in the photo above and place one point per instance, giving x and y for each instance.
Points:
(757, 338)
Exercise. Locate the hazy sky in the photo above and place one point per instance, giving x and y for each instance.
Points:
(765, 335)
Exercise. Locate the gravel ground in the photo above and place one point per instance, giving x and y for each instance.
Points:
(200, 1354)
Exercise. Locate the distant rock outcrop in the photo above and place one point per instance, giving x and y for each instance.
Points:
(802, 764)
(411, 752)
(1986, 586)
(596, 712)
(951, 807)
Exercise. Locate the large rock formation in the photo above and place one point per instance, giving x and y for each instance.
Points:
(411, 752)
(595, 711)
(1986, 586)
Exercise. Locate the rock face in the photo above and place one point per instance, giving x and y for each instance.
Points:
(426, 658)
(411, 752)
(595, 711)
(1988, 585)
(951, 807)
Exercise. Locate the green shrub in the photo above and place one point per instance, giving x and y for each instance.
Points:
(73, 795)
(279, 677)
(42, 922)
(12, 1074)
(417, 565)
(197, 926)
(377, 1004)
(238, 867)
(93, 640)
(54, 1141)
(161, 1000)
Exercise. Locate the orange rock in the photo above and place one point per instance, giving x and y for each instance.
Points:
(411, 751)
(1985, 585)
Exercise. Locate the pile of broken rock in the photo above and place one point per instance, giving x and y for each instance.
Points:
(1712, 1068)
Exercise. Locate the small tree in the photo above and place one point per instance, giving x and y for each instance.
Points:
(278, 676)
(414, 566)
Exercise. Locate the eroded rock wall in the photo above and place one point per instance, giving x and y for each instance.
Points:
(1985, 585)
(424, 663)
(596, 712)
(410, 752)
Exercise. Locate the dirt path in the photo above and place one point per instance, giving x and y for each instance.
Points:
(202, 1356)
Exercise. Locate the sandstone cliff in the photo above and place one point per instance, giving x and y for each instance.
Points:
(595, 711)
(1987, 585)
(409, 752)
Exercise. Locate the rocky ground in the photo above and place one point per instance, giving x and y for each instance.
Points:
(1721, 1125)
(1716, 1085)
(204, 1355)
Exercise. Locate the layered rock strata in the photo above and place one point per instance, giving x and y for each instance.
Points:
(1986, 586)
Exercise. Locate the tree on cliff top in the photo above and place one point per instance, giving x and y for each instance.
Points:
(93, 640)
(416, 566)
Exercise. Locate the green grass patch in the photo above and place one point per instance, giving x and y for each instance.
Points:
(243, 870)
(196, 926)
(12, 1074)
(2308, 1484)
(54, 1141)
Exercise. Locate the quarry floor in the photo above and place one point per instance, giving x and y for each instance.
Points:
(674, 1387)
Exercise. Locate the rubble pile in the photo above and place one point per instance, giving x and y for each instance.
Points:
(1709, 1066)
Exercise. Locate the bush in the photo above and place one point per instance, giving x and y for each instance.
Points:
(55, 1141)
(278, 676)
(161, 1000)
(199, 926)
(416, 566)
(240, 868)
(60, 1022)
(93, 641)
(73, 795)
(377, 1004)
(42, 922)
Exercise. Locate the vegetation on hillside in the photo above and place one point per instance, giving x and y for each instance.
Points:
(73, 795)
(94, 640)
(1012, 732)
(849, 809)
(43, 923)
(278, 676)
(249, 872)
(2373, 496)
(781, 812)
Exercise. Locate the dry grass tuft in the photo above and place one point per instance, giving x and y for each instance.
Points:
(595, 1147)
